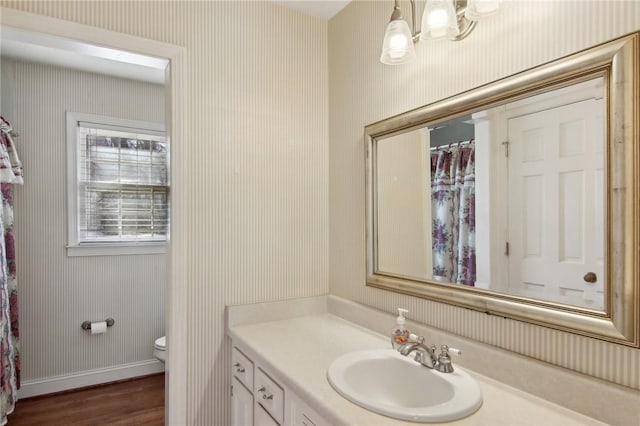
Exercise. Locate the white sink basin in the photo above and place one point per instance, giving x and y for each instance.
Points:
(396, 386)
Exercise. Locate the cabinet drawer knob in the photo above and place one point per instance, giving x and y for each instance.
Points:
(239, 367)
(265, 395)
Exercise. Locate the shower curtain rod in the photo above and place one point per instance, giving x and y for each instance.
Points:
(460, 143)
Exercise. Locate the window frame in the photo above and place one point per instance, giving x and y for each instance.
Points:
(74, 246)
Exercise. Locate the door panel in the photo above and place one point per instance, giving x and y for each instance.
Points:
(556, 203)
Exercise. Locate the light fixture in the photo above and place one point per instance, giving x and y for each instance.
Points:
(478, 9)
(397, 46)
(450, 19)
(439, 20)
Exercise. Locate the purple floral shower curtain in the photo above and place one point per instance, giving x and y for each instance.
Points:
(10, 174)
(453, 205)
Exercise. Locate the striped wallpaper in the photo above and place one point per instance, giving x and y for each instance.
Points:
(57, 293)
(270, 209)
(254, 216)
(524, 35)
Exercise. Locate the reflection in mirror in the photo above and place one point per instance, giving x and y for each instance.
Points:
(509, 199)
(528, 207)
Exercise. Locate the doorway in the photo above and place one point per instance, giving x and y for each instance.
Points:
(174, 83)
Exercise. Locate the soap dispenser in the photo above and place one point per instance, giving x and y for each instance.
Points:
(400, 334)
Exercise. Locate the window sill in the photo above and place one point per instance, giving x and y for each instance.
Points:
(115, 249)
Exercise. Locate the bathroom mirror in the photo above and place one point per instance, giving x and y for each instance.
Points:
(518, 198)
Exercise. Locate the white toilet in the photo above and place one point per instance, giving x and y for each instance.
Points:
(160, 348)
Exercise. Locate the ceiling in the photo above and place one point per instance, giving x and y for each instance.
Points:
(324, 9)
(38, 47)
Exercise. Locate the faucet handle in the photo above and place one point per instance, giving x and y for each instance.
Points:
(444, 360)
(446, 350)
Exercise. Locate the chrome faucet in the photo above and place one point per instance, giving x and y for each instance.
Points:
(423, 354)
(426, 355)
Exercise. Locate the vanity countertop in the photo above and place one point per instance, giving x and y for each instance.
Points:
(298, 351)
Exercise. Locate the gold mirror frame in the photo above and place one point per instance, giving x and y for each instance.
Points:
(618, 62)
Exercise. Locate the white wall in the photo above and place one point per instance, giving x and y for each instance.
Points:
(255, 214)
(57, 293)
(363, 91)
(403, 182)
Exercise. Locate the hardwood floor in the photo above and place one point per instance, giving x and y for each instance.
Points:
(132, 402)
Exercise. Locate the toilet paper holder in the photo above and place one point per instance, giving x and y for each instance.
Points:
(86, 325)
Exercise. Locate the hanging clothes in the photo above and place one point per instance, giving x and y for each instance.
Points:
(453, 205)
(10, 174)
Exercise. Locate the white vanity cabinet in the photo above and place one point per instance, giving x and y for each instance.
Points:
(259, 398)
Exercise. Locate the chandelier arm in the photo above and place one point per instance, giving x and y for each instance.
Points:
(465, 25)
(414, 32)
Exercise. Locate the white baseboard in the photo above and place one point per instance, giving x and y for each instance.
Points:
(31, 388)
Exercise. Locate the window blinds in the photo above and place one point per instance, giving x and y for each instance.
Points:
(123, 188)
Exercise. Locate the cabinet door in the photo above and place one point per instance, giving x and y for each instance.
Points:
(241, 404)
(263, 418)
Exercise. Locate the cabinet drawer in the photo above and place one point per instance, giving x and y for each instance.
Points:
(242, 368)
(269, 395)
(262, 418)
(303, 415)
(305, 421)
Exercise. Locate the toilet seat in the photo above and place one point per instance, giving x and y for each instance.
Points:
(160, 348)
(160, 343)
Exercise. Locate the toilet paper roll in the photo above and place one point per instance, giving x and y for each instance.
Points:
(98, 327)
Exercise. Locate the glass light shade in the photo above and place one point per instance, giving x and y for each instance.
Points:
(478, 9)
(397, 47)
(439, 20)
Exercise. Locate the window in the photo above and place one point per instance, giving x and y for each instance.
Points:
(118, 186)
